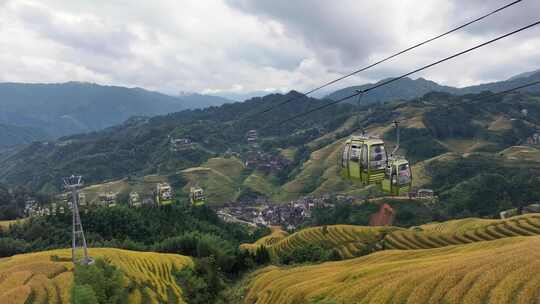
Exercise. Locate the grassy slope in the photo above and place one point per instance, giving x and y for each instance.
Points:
(143, 185)
(219, 177)
(421, 178)
(34, 278)
(260, 184)
(525, 153)
(322, 170)
(485, 272)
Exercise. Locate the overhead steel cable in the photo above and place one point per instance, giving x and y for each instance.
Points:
(468, 101)
(390, 57)
(409, 73)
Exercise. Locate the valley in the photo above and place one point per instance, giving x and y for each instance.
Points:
(279, 218)
(269, 152)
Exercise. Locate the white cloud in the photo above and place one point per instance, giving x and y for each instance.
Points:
(241, 46)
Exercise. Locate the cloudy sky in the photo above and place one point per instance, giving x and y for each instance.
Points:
(240, 46)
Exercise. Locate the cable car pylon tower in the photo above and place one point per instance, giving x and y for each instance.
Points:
(79, 250)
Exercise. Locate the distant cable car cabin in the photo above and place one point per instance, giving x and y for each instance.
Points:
(364, 159)
(164, 194)
(398, 178)
(196, 196)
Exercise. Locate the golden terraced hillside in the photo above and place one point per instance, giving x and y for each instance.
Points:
(274, 237)
(348, 240)
(351, 241)
(36, 278)
(462, 231)
(500, 271)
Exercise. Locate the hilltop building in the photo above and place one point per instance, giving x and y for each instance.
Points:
(179, 144)
(252, 138)
(265, 162)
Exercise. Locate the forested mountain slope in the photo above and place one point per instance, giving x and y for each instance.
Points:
(475, 132)
(74, 107)
(142, 146)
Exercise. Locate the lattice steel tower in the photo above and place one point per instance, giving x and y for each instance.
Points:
(79, 250)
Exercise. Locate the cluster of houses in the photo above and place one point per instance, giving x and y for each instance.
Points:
(289, 215)
(265, 162)
(179, 144)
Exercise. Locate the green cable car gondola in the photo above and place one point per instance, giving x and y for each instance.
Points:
(196, 196)
(364, 159)
(398, 177)
(164, 194)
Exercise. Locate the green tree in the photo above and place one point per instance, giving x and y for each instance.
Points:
(104, 280)
(83, 294)
(201, 284)
(523, 189)
(262, 256)
(9, 246)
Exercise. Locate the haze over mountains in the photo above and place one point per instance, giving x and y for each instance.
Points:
(45, 111)
(30, 112)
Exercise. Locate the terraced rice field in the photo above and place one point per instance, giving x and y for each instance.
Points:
(501, 271)
(277, 235)
(348, 240)
(463, 231)
(35, 278)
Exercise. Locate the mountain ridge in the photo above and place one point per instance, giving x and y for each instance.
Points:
(407, 88)
(58, 109)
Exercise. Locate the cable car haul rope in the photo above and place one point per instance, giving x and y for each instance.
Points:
(364, 158)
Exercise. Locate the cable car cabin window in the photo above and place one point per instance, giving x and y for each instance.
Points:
(344, 156)
(355, 153)
(363, 160)
(404, 174)
(377, 157)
